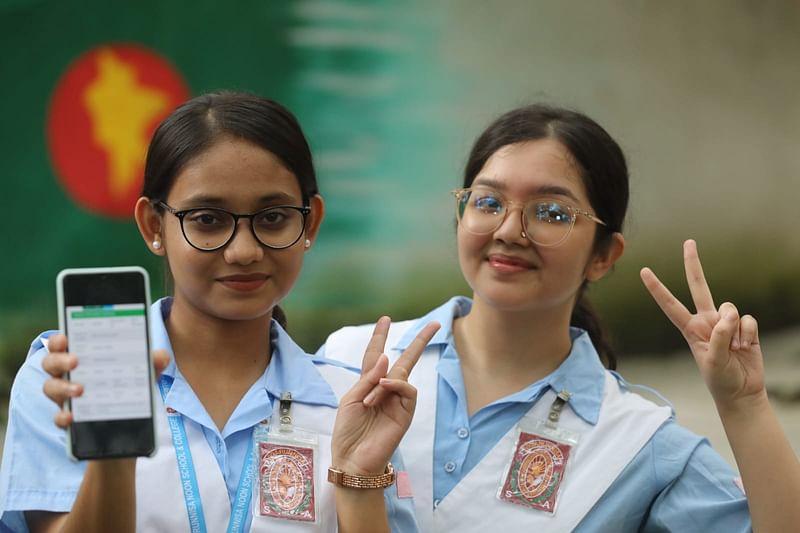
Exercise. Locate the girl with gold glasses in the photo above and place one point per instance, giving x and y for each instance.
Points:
(522, 423)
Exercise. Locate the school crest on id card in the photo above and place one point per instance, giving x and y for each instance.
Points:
(536, 472)
(286, 481)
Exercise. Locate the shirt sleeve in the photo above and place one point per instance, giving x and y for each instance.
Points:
(400, 503)
(700, 494)
(36, 473)
(677, 482)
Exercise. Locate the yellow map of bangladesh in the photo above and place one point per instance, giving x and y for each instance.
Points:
(121, 110)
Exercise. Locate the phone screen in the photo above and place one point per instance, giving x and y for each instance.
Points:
(104, 313)
(111, 342)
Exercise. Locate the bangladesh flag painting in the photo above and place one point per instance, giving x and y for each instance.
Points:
(101, 116)
(85, 84)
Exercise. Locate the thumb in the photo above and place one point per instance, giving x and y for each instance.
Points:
(160, 361)
(369, 379)
(724, 330)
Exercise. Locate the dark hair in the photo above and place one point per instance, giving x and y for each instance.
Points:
(602, 168)
(197, 124)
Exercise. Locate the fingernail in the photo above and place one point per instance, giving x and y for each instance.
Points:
(730, 316)
(74, 389)
(384, 381)
(369, 398)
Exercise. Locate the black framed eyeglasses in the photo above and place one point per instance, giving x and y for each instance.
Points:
(211, 228)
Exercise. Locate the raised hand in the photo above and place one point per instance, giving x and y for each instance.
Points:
(58, 362)
(725, 346)
(374, 415)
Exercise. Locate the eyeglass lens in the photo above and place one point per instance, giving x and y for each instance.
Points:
(547, 222)
(276, 227)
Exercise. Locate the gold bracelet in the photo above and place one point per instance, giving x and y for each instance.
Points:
(355, 481)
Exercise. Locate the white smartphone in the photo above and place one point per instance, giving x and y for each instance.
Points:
(104, 314)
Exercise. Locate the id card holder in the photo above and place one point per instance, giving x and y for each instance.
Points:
(285, 468)
(538, 463)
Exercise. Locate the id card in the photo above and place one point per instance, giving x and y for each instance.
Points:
(285, 468)
(538, 465)
(286, 481)
(536, 472)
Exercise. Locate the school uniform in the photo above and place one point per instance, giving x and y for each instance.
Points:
(37, 475)
(633, 467)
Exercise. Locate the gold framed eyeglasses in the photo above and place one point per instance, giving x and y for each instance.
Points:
(546, 221)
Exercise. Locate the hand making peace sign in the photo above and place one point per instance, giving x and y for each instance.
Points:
(725, 346)
(374, 415)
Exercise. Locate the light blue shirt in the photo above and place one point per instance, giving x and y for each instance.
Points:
(677, 482)
(36, 474)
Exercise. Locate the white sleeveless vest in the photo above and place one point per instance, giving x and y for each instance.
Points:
(160, 505)
(626, 422)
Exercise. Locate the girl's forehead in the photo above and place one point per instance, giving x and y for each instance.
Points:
(231, 168)
(528, 168)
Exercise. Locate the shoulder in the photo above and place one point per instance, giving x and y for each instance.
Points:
(363, 333)
(675, 483)
(676, 454)
(348, 343)
(699, 489)
(30, 374)
(623, 399)
(338, 375)
(27, 481)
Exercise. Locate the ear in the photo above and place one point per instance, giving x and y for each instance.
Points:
(603, 260)
(149, 222)
(315, 217)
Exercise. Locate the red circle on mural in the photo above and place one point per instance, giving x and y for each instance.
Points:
(102, 114)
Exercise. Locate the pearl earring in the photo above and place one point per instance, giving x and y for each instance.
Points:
(308, 243)
(157, 245)
(524, 235)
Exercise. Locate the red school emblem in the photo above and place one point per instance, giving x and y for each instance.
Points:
(536, 472)
(286, 482)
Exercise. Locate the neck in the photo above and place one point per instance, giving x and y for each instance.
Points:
(220, 359)
(226, 348)
(502, 352)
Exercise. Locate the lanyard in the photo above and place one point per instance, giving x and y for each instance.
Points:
(188, 476)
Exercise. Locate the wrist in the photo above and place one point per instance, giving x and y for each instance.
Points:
(746, 407)
(343, 478)
(357, 468)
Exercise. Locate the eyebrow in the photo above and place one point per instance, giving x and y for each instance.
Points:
(544, 190)
(218, 201)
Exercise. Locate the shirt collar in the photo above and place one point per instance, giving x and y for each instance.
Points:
(445, 314)
(581, 374)
(291, 369)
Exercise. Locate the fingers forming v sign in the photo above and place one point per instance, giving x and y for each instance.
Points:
(725, 347)
(375, 414)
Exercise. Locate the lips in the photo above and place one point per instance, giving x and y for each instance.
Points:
(243, 282)
(509, 264)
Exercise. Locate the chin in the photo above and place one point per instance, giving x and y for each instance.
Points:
(238, 311)
(506, 299)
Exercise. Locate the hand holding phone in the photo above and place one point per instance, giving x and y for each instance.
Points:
(109, 393)
(59, 362)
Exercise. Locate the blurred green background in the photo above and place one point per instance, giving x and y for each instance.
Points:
(703, 96)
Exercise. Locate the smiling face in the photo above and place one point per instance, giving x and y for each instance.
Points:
(505, 269)
(245, 279)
